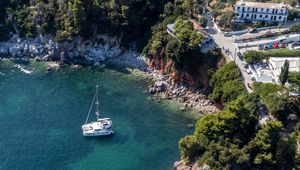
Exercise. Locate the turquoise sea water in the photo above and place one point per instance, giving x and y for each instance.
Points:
(41, 116)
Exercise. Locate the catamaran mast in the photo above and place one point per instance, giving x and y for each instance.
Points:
(97, 103)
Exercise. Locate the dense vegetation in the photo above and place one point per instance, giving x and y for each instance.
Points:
(253, 56)
(226, 83)
(294, 80)
(280, 105)
(233, 138)
(182, 49)
(69, 18)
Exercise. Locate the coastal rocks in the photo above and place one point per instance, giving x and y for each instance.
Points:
(158, 86)
(44, 48)
(165, 87)
(181, 165)
(131, 59)
(52, 66)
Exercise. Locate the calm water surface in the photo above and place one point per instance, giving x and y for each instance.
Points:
(41, 116)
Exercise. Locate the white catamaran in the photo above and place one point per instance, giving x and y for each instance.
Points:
(102, 127)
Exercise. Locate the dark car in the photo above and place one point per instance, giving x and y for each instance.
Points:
(254, 30)
(266, 47)
(260, 47)
(240, 55)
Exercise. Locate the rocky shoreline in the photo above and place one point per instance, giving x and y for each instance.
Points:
(104, 49)
(82, 52)
(164, 87)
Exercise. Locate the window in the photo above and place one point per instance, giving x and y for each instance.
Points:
(267, 10)
(238, 8)
(248, 8)
(261, 9)
(266, 16)
(279, 17)
(247, 15)
(260, 16)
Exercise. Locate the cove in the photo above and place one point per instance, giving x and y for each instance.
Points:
(41, 116)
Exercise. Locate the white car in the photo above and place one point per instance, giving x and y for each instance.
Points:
(248, 71)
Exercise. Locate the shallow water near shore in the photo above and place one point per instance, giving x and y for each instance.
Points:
(41, 116)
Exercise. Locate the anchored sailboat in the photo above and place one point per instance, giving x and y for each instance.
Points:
(102, 127)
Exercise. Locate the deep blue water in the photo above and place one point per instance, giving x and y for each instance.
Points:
(41, 116)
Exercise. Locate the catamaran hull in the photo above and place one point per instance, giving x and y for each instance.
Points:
(104, 133)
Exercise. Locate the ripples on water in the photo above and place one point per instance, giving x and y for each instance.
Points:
(41, 116)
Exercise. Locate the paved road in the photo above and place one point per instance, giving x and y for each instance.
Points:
(227, 43)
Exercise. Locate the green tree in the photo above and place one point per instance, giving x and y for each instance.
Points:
(79, 15)
(283, 77)
(231, 90)
(155, 47)
(294, 28)
(189, 147)
(203, 21)
(263, 146)
(292, 14)
(252, 57)
(226, 83)
(285, 152)
(293, 3)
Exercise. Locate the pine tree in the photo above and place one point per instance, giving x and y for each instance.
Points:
(79, 15)
(284, 73)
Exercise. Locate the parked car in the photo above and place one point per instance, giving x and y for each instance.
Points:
(266, 47)
(270, 46)
(283, 45)
(246, 66)
(249, 86)
(260, 47)
(253, 30)
(276, 45)
(248, 71)
(227, 34)
(240, 55)
(295, 46)
(208, 14)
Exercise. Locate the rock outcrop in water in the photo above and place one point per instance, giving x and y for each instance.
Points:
(181, 165)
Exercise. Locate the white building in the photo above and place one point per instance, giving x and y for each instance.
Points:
(259, 11)
(276, 63)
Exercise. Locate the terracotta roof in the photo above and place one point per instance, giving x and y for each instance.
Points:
(262, 4)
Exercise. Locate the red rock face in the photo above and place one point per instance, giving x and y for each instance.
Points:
(165, 66)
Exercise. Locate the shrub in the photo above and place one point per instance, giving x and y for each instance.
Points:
(203, 21)
(252, 56)
(226, 83)
(189, 147)
(294, 28)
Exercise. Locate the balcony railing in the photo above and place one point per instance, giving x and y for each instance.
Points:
(259, 12)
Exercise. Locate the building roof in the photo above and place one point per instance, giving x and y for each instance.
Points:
(171, 27)
(261, 4)
(262, 73)
(277, 63)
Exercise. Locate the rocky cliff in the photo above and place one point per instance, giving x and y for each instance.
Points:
(44, 48)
